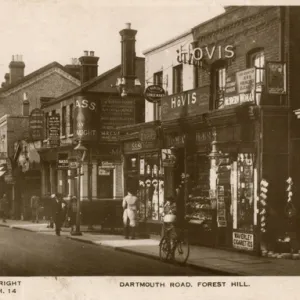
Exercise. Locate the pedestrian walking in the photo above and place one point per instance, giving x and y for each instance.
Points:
(130, 214)
(4, 207)
(72, 212)
(35, 208)
(58, 212)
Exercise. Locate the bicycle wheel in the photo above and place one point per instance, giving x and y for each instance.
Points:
(181, 251)
(164, 249)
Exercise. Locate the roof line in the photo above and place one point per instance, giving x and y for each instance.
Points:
(86, 84)
(33, 74)
(175, 38)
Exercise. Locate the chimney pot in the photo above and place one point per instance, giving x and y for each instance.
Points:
(92, 53)
(128, 25)
(86, 53)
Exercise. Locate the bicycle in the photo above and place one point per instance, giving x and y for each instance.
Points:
(174, 246)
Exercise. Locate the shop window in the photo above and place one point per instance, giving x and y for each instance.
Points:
(63, 120)
(71, 119)
(198, 210)
(157, 80)
(151, 187)
(177, 79)
(218, 82)
(245, 192)
(256, 58)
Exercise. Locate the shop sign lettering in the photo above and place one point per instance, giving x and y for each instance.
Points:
(193, 55)
(62, 161)
(231, 95)
(148, 134)
(85, 119)
(184, 104)
(243, 241)
(36, 124)
(245, 81)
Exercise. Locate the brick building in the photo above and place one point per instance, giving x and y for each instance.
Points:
(19, 95)
(221, 138)
(102, 179)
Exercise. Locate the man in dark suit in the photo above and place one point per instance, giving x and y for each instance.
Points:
(58, 212)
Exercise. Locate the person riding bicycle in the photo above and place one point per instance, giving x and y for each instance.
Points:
(169, 217)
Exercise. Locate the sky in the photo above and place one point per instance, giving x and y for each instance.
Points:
(43, 31)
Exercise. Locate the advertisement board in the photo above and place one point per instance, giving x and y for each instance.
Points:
(36, 124)
(54, 130)
(276, 77)
(243, 241)
(245, 81)
(115, 112)
(85, 119)
(62, 161)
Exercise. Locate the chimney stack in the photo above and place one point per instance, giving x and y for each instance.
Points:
(89, 66)
(128, 53)
(16, 67)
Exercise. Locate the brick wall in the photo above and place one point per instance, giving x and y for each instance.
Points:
(53, 85)
(249, 31)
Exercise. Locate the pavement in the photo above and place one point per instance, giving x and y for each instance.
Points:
(222, 262)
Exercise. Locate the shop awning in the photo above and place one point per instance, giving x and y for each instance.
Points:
(2, 173)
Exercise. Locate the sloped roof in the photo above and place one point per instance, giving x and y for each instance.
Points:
(87, 84)
(34, 74)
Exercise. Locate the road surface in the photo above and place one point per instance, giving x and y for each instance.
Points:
(24, 253)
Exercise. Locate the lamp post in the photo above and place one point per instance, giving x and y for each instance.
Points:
(81, 150)
(89, 184)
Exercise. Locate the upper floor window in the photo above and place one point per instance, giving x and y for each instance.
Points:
(177, 79)
(157, 80)
(63, 120)
(256, 58)
(71, 120)
(218, 83)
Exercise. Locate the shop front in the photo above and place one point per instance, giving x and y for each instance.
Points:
(143, 172)
(214, 174)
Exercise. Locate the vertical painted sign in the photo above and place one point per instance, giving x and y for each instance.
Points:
(54, 130)
(85, 119)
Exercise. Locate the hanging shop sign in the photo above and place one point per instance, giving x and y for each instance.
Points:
(154, 93)
(73, 163)
(189, 103)
(54, 130)
(115, 112)
(243, 241)
(62, 161)
(85, 119)
(245, 81)
(276, 77)
(36, 124)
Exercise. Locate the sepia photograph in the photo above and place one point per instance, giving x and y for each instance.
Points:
(147, 139)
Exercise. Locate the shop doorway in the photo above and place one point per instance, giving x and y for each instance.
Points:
(105, 183)
(224, 203)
